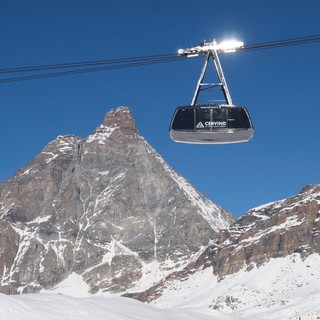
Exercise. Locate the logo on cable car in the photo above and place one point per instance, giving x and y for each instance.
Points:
(200, 125)
(215, 124)
(211, 124)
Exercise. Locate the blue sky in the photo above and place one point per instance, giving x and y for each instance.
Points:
(280, 87)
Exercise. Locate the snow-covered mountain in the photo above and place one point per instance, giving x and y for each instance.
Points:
(106, 207)
(265, 266)
(281, 288)
(105, 215)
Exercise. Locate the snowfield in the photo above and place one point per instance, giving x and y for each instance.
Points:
(283, 288)
(53, 307)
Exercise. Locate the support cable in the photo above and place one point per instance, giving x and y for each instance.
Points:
(74, 68)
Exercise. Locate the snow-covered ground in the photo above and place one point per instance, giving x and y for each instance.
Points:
(283, 288)
(54, 307)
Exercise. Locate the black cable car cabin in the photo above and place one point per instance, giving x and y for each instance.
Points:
(212, 123)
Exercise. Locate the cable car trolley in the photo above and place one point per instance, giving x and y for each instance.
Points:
(217, 122)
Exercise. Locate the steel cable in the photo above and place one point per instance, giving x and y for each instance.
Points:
(121, 63)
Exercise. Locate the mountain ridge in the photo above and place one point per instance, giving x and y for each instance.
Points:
(104, 206)
(287, 230)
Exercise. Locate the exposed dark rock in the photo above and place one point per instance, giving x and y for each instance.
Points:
(103, 207)
(274, 230)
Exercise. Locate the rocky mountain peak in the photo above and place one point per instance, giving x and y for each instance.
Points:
(119, 117)
(106, 207)
(122, 119)
(118, 128)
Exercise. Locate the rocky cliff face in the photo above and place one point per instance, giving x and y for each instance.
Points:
(105, 207)
(275, 230)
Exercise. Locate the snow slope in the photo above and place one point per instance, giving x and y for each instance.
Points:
(282, 289)
(53, 307)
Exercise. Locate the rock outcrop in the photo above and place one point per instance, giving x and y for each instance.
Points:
(105, 207)
(275, 230)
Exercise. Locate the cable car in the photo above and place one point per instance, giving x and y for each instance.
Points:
(212, 123)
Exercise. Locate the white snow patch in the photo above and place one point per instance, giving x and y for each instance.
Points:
(73, 286)
(39, 220)
(65, 143)
(102, 134)
(51, 156)
(31, 170)
(264, 206)
(110, 254)
(151, 274)
(104, 173)
(260, 216)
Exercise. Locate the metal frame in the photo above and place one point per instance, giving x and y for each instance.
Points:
(204, 86)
